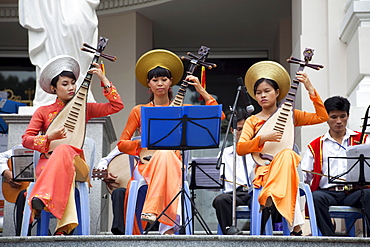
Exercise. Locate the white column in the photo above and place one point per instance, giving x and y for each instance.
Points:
(315, 25)
(354, 31)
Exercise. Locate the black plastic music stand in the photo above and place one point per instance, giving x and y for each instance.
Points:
(183, 128)
(204, 175)
(22, 168)
(360, 161)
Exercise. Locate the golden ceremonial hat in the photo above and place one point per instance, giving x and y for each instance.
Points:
(54, 67)
(269, 70)
(162, 58)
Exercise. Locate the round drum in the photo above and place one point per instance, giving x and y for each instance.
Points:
(120, 167)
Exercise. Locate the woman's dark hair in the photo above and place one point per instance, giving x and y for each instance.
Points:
(64, 73)
(159, 72)
(337, 103)
(271, 82)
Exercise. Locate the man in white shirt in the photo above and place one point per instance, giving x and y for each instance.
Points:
(333, 144)
(223, 202)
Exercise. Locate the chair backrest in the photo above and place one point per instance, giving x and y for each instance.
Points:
(89, 151)
(36, 158)
(299, 169)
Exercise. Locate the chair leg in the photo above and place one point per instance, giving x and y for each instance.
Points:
(131, 205)
(83, 208)
(311, 210)
(188, 211)
(78, 229)
(350, 226)
(268, 227)
(140, 203)
(256, 216)
(43, 224)
(26, 213)
(286, 231)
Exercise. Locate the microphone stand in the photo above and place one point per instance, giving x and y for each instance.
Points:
(233, 230)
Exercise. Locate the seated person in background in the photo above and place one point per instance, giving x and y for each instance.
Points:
(223, 203)
(333, 144)
(118, 194)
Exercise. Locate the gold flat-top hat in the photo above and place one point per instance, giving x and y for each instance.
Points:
(269, 70)
(54, 67)
(162, 58)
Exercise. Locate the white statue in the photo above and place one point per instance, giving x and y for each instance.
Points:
(59, 28)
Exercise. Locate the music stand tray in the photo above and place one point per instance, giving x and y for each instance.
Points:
(181, 128)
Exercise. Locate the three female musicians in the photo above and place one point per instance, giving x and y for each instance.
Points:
(270, 82)
(159, 70)
(57, 171)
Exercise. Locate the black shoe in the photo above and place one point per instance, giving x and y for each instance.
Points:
(37, 205)
(293, 233)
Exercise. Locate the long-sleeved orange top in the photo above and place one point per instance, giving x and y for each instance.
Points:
(248, 142)
(133, 147)
(44, 115)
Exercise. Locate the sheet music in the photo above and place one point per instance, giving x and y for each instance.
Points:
(207, 175)
(21, 158)
(355, 152)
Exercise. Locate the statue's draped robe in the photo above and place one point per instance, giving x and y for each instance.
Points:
(59, 28)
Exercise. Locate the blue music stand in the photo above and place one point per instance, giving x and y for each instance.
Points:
(181, 128)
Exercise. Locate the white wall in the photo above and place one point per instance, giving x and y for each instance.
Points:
(315, 24)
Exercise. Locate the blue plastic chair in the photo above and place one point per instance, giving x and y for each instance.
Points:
(304, 190)
(350, 216)
(81, 199)
(136, 199)
(255, 216)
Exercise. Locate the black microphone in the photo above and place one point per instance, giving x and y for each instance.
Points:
(247, 100)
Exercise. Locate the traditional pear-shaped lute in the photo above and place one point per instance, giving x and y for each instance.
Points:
(282, 119)
(73, 115)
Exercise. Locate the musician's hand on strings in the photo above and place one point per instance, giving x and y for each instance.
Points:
(193, 80)
(303, 78)
(271, 136)
(98, 71)
(8, 177)
(59, 133)
(110, 181)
